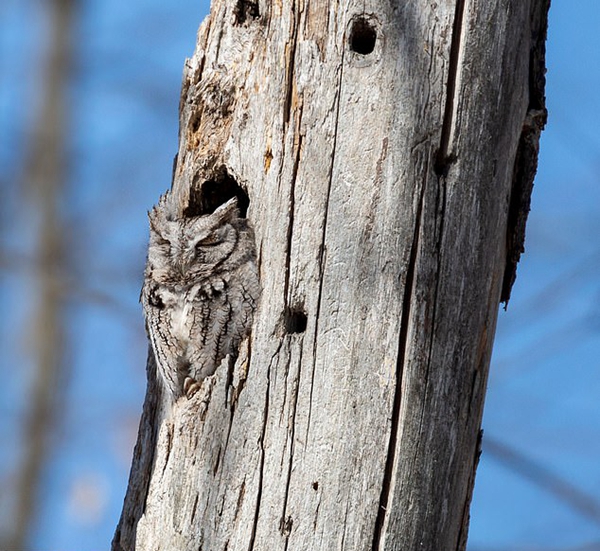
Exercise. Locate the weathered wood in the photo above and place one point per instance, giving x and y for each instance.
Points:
(379, 186)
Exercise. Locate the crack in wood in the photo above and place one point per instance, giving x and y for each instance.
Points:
(316, 512)
(219, 38)
(403, 343)
(285, 521)
(242, 381)
(445, 157)
(343, 540)
(262, 450)
(168, 446)
(292, 206)
(440, 215)
(194, 508)
(291, 63)
(240, 500)
(322, 247)
(461, 543)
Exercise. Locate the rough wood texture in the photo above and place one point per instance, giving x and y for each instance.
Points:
(379, 187)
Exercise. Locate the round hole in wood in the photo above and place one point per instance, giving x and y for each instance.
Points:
(362, 36)
(295, 321)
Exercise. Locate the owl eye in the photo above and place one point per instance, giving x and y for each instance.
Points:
(209, 241)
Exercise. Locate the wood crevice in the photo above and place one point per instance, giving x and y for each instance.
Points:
(261, 470)
(291, 63)
(322, 255)
(444, 156)
(461, 543)
(291, 436)
(386, 485)
(292, 206)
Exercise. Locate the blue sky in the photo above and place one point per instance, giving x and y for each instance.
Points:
(543, 399)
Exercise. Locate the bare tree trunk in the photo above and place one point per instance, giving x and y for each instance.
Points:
(388, 153)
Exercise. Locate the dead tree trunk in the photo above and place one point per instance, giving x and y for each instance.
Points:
(387, 152)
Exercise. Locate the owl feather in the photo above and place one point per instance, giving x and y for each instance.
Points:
(200, 291)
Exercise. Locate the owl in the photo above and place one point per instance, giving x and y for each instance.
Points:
(200, 291)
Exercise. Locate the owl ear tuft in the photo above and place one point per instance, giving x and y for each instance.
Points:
(160, 217)
(227, 211)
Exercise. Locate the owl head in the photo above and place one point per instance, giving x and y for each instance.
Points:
(183, 251)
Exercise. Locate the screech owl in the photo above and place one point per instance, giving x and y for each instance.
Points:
(200, 291)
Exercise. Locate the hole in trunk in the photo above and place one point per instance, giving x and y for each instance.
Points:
(295, 321)
(244, 10)
(362, 36)
(207, 196)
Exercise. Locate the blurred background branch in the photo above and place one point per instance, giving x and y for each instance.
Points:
(582, 502)
(44, 176)
(71, 285)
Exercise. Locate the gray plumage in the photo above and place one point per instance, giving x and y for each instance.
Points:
(200, 291)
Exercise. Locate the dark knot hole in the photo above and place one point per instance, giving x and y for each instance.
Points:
(207, 196)
(295, 321)
(362, 36)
